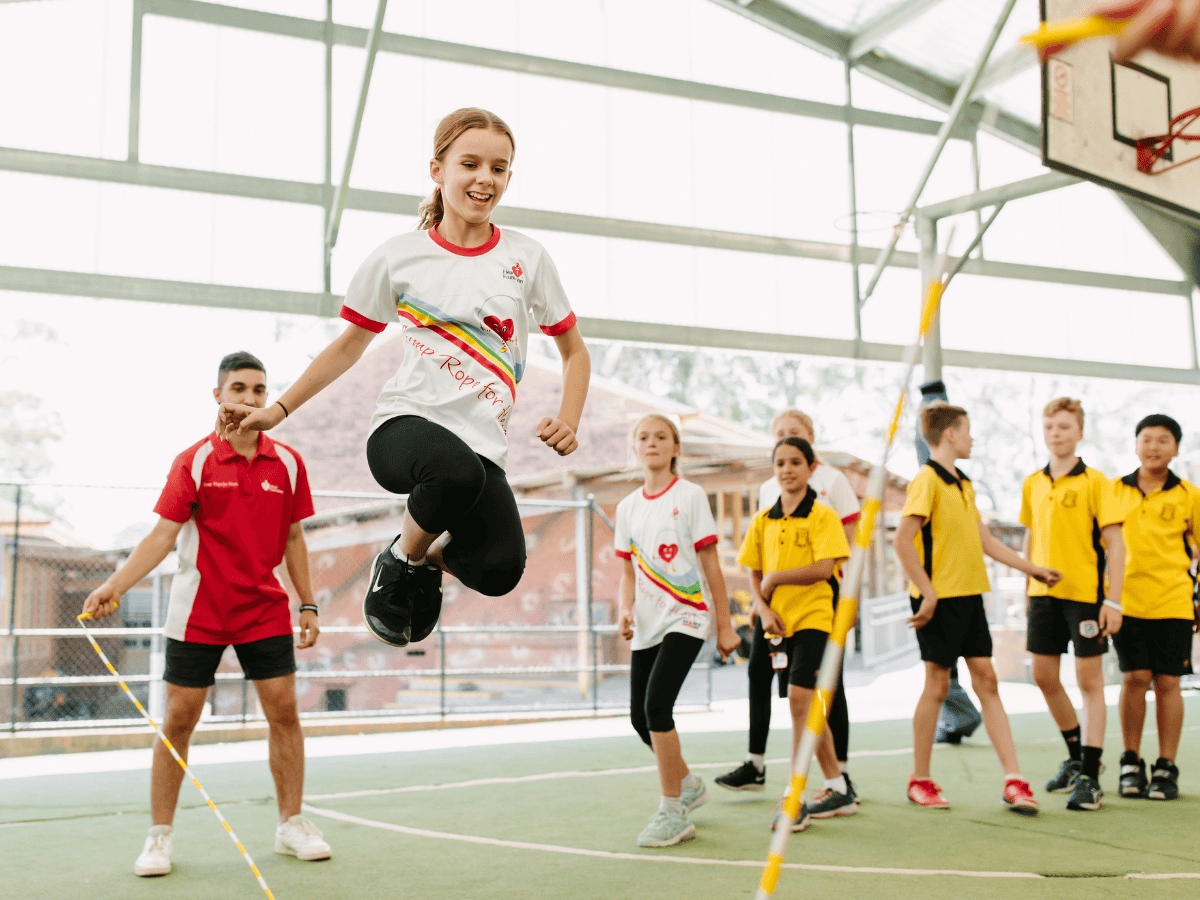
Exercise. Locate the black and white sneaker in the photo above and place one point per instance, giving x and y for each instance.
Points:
(746, 777)
(387, 607)
(1068, 774)
(850, 788)
(1164, 781)
(425, 592)
(829, 804)
(1086, 794)
(1133, 775)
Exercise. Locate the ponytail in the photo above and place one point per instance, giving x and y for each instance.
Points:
(432, 208)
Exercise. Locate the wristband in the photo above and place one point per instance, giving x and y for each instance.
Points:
(1112, 605)
(310, 607)
(284, 408)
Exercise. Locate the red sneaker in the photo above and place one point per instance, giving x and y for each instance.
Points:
(925, 793)
(1019, 797)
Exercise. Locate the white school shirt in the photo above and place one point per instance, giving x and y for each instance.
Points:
(468, 312)
(832, 489)
(662, 534)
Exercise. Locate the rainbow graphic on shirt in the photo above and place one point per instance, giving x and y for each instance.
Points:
(685, 588)
(483, 346)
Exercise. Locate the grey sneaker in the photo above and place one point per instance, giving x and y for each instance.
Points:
(666, 829)
(1064, 780)
(829, 804)
(1086, 794)
(694, 798)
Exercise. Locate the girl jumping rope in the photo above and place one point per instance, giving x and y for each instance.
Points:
(466, 292)
(671, 588)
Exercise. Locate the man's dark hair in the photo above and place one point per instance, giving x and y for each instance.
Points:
(800, 444)
(1162, 421)
(235, 361)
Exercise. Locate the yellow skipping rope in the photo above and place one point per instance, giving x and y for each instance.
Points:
(847, 608)
(179, 759)
(1055, 35)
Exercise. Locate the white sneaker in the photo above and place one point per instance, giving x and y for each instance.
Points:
(302, 839)
(155, 858)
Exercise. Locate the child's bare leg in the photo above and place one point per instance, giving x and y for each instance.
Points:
(827, 756)
(799, 699)
(1168, 714)
(925, 716)
(414, 541)
(669, 756)
(995, 719)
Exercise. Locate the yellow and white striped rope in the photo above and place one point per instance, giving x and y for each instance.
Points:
(847, 609)
(175, 754)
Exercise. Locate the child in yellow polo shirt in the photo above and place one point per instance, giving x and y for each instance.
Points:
(791, 550)
(1148, 521)
(940, 542)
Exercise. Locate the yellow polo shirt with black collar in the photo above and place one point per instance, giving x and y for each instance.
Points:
(775, 542)
(1158, 530)
(948, 544)
(1063, 518)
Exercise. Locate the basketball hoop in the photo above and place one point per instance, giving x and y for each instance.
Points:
(1152, 150)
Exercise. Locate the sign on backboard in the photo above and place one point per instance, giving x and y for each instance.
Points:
(1095, 112)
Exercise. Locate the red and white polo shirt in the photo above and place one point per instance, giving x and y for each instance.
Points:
(236, 516)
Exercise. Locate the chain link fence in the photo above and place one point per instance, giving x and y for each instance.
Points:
(550, 645)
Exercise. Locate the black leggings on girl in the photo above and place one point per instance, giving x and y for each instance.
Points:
(452, 488)
(655, 676)
(761, 674)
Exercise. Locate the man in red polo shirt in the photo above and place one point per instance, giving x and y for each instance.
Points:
(234, 506)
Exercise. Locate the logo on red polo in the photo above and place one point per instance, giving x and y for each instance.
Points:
(270, 488)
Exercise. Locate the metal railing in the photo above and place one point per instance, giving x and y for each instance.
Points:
(59, 685)
(883, 629)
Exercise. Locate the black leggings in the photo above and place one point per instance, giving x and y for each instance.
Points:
(655, 676)
(761, 674)
(452, 488)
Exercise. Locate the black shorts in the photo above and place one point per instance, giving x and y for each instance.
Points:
(1054, 623)
(1163, 646)
(958, 628)
(195, 665)
(804, 650)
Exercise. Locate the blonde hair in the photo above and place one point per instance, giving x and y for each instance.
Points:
(1065, 404)
(674, 433)
(789, 413)
(449, 130)
(936, 418)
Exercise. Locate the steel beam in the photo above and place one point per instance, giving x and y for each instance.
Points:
(953, 117)
(119, 287)
(521, 63)
(888, 22)
(1027, 187)
(117, 171)
(893, 72)
(1008, 65)
(135, 82)
(339, 198)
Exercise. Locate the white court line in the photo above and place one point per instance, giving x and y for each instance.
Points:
(555, 776)
(640, 857)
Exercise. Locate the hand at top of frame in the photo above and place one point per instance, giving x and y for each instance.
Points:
(1170, 27)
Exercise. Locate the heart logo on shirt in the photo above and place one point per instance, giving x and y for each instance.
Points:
(517, 270)
(502, 328)
(668, 551)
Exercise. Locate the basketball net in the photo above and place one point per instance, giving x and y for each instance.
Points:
(1152, 150)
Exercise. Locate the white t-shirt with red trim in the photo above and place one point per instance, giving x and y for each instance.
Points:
(832, 487)
(662, 534)
(467, 312)
(236, 515)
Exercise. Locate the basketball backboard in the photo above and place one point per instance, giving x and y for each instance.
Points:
(1094, 112)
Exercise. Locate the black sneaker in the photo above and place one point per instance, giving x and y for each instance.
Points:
(1068, 774)
(1164, 781)
(850, 788)
(425, 592)
(1133, 775)
(745, 777)
(829, 804)
(387, 607)
(1086, 794)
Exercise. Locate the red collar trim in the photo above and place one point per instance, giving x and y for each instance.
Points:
(660, 493)
(483, 248)
(225, 451)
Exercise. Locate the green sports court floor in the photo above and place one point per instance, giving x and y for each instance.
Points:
(405, 825)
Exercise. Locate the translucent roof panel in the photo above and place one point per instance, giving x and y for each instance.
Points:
(844, 15)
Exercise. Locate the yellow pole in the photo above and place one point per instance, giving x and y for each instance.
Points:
(847, 611)
(179, 759)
